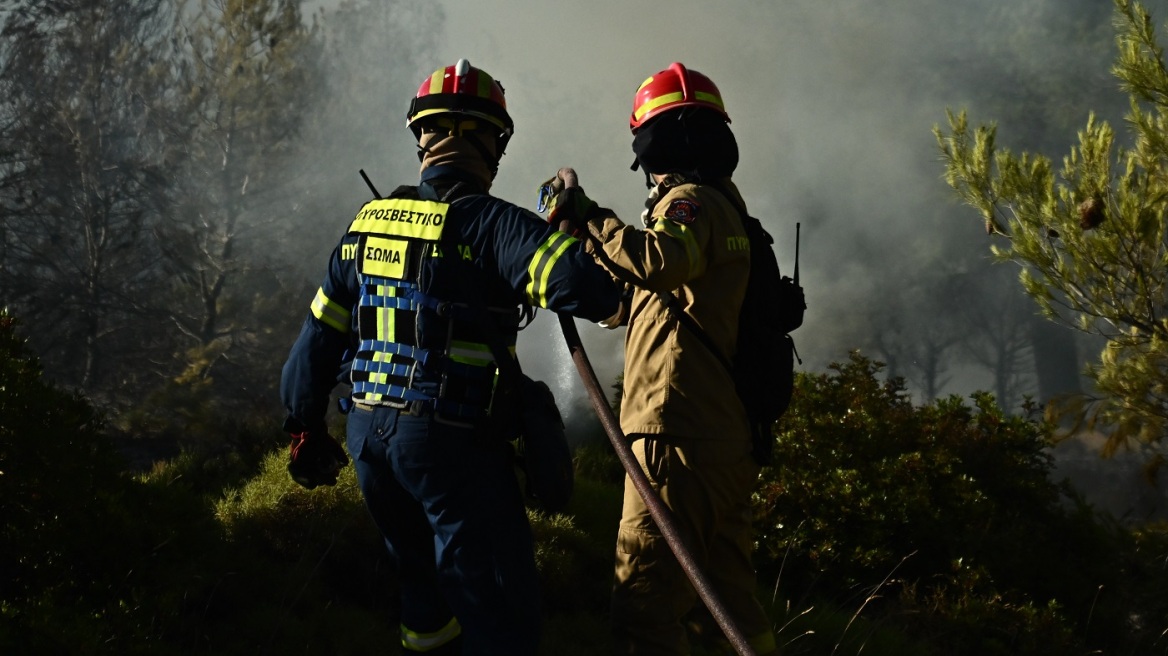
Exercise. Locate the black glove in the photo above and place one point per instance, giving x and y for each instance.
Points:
(315, 459)
(570, 209)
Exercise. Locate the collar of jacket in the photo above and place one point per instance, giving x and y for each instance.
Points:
(443, 177)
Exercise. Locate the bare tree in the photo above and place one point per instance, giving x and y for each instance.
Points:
(248, 80)
(1000, 340)
(917, 332)
(79, 178)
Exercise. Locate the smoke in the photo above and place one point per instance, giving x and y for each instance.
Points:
(832, 105)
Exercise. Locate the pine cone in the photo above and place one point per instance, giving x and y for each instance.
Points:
(1091, 213)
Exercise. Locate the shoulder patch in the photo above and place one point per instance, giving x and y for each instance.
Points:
(682, 211)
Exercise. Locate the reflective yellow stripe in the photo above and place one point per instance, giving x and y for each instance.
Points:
(541, 266)
(458, 128)
(678, 231)
(649, 105)
(386, 324)
(472, 353)
(401, 217)
(330, 313)
(436, 81)
(709, 97)
(429, 641)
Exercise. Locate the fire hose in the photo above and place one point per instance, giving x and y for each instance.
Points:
(660, 512)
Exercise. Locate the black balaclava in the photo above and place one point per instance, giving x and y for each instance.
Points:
(696, 143)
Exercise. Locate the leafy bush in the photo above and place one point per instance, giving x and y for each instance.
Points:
(596, 461)
(63, 511)
(97, 561)
(946, 511)
(886, 529)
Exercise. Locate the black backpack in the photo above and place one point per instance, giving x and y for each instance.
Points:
(764, 366)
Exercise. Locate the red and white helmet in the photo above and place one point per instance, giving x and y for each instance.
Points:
(461, 89)
(671, 88)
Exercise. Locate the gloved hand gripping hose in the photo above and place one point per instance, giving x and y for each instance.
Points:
(657, 509)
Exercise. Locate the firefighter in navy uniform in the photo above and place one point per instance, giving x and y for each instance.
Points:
(423, 296)
(688, 428)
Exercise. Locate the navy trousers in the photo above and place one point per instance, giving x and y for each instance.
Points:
(448, 503)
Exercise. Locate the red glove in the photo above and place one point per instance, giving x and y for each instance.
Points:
(315, 459)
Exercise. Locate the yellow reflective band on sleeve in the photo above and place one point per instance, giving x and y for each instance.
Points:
(541, 265)
(385, 258)
(650, 105)
(386, 323)
(402, 217)
(692, 252)
(330, 313)
(415, 641)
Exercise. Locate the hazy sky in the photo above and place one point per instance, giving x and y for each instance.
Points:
(811, 104)
(832, 104)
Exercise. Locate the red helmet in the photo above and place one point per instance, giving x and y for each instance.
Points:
(461, 89)
(671, 88)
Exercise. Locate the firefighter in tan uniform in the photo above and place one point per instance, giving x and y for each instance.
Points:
(688, 428)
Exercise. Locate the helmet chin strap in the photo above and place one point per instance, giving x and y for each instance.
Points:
(650, 202)
(648, 176)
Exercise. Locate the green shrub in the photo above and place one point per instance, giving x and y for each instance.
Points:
(885, 529)
(98, 561)
(63, 510)
(946, 511)
(596, 461)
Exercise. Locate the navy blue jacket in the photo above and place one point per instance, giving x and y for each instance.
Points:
(501, 249)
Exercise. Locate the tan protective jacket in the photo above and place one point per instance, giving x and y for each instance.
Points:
(694, 247)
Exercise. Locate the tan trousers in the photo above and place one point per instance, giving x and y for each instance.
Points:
(707, 484)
